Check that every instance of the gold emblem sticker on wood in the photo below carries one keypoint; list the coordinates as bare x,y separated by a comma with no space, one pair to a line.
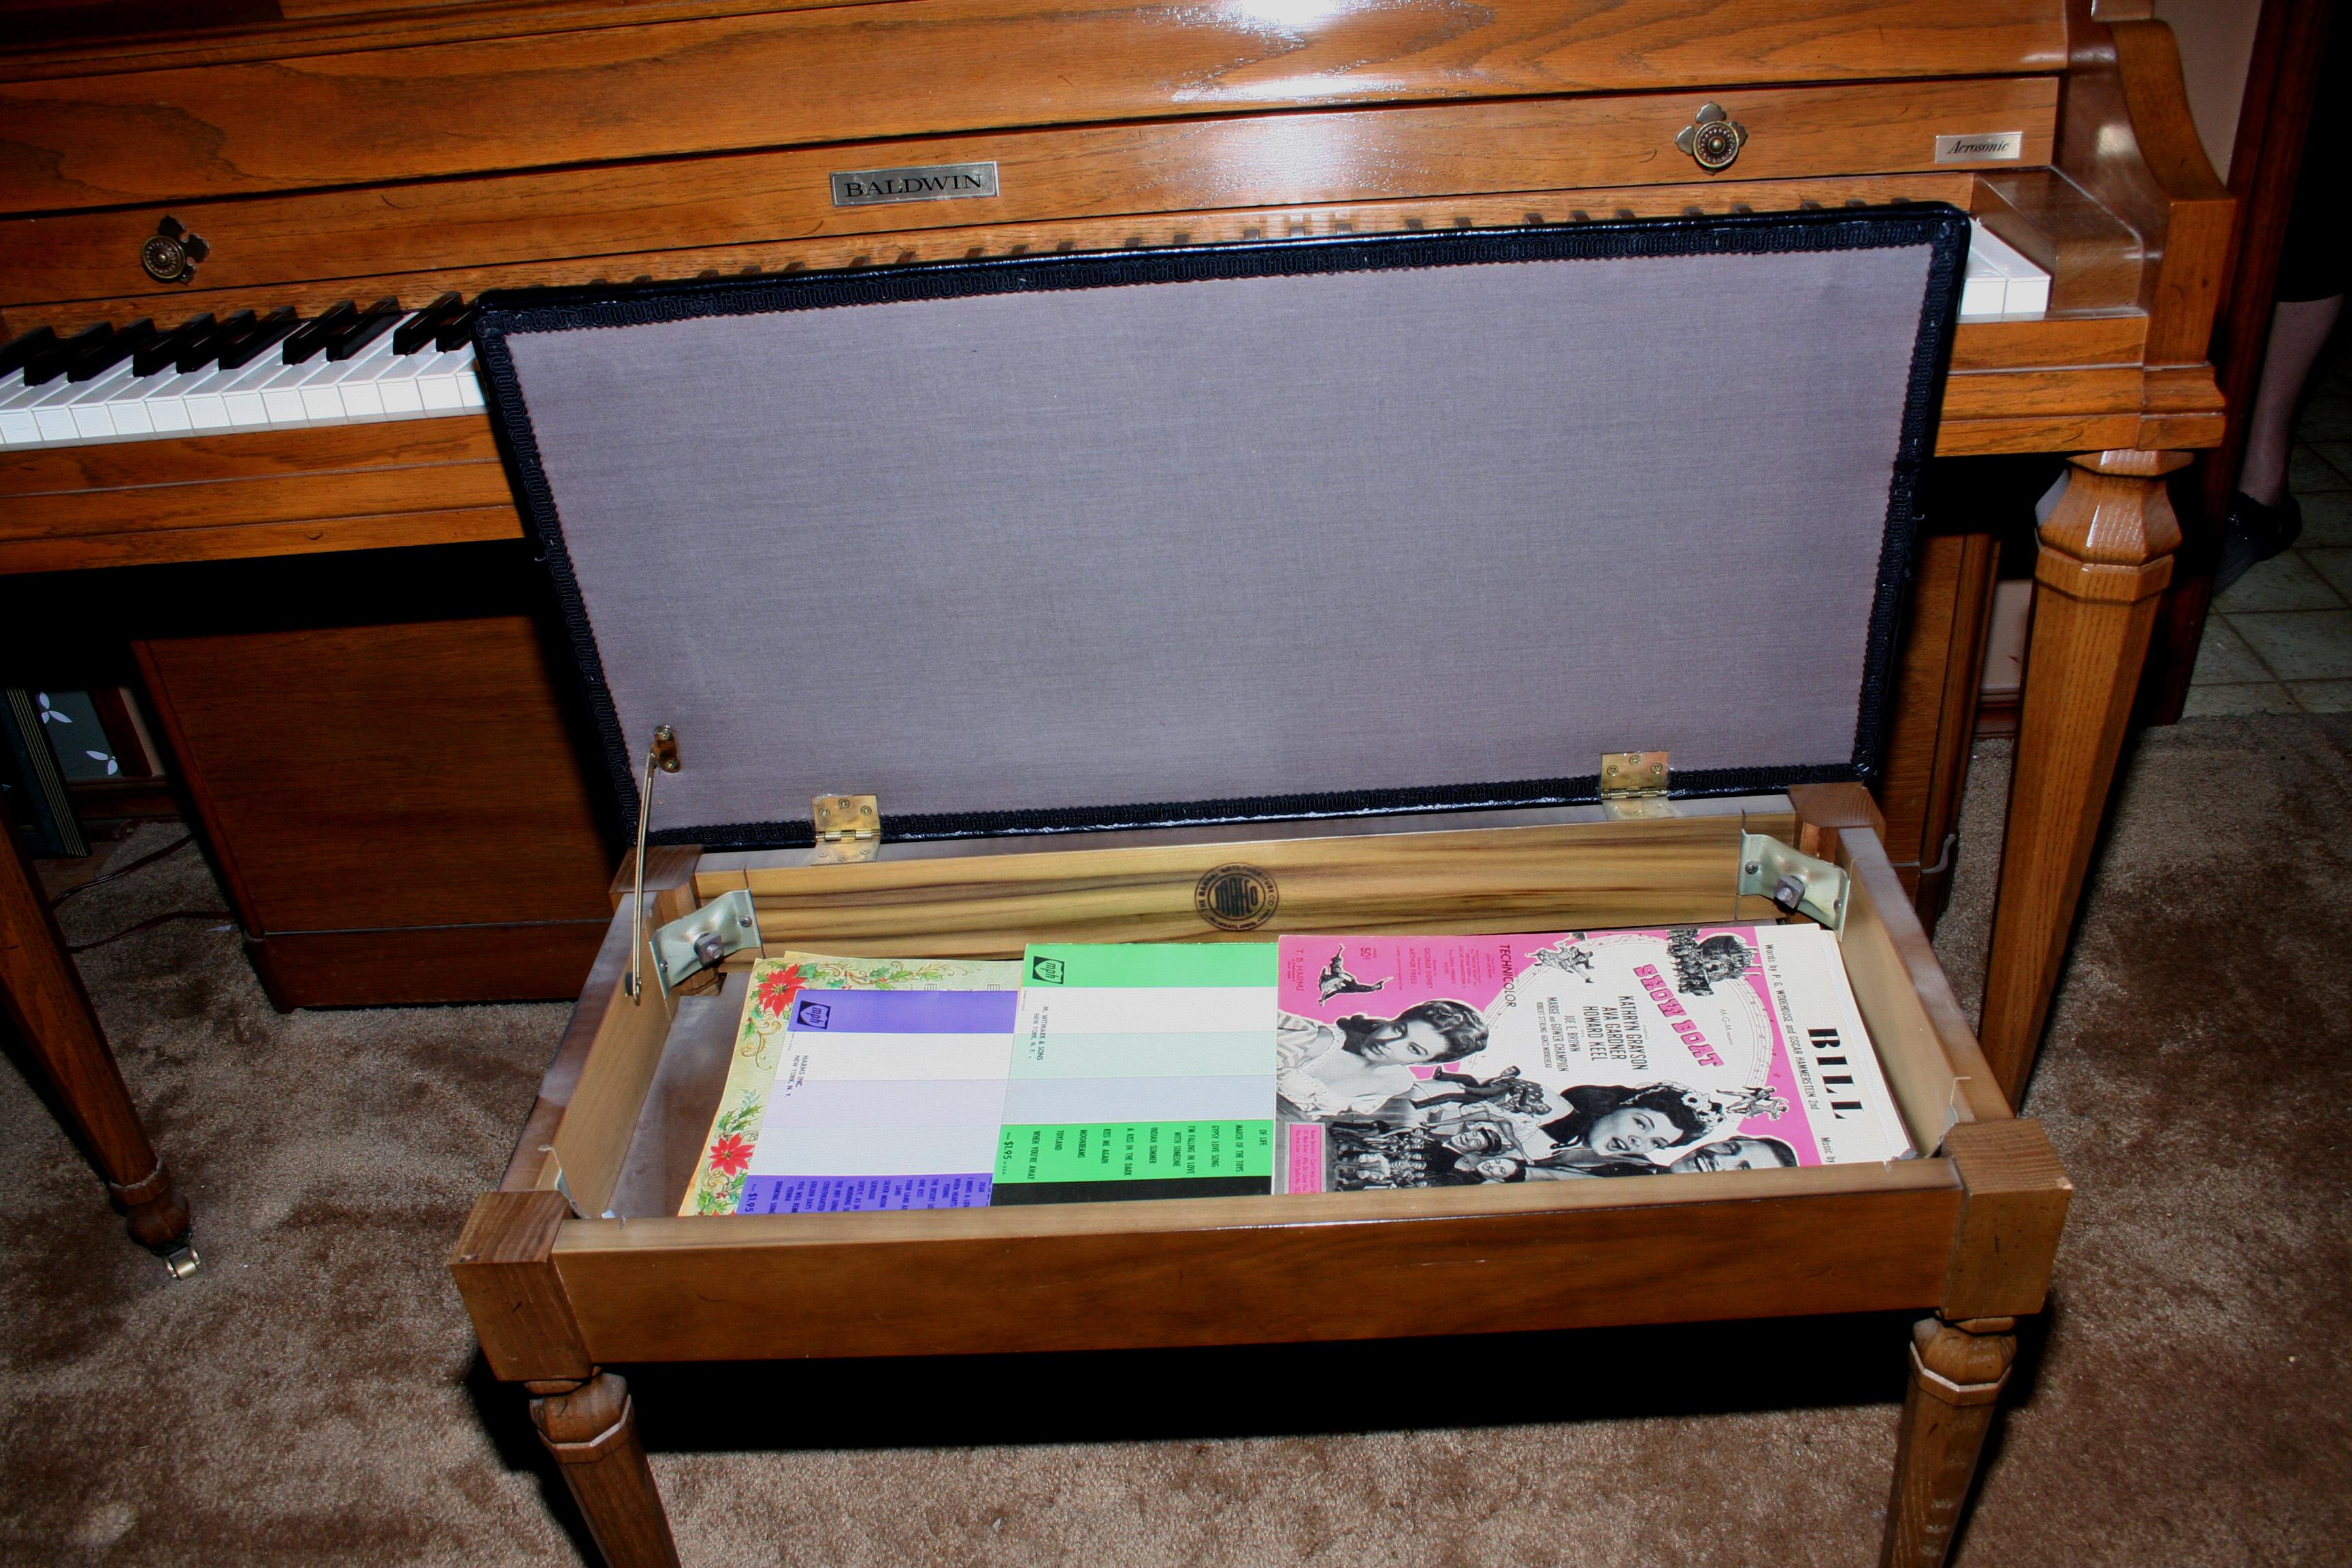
1236,897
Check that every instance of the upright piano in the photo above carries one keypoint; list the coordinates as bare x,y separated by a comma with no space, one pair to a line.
238,242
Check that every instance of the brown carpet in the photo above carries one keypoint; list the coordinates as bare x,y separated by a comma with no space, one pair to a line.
313,1396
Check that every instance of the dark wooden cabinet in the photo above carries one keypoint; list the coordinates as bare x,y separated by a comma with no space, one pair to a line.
395,808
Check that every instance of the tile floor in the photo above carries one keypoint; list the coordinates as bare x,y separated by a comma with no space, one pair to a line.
2280,641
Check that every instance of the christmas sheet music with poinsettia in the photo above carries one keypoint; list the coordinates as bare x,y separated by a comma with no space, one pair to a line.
1571,1055
727,1152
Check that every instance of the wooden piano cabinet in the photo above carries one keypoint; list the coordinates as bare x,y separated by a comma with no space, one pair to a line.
356,786
579,1260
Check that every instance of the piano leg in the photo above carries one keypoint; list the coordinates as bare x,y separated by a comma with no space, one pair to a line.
592,1429
1956,1373
52,1015
2106,555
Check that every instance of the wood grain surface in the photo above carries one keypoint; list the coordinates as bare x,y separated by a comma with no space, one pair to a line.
1523,878
860,72
263,248
1260,1270
440,738
502,1266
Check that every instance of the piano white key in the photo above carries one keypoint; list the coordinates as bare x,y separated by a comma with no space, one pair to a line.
436,381
346,392
206,402
243,396
167,402
18,426
131,413
2000,280
53,411
93,419
281,395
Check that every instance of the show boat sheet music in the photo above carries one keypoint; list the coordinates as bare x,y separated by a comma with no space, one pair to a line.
1430,1061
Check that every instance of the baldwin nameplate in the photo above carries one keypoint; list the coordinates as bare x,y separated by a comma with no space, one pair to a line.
927,182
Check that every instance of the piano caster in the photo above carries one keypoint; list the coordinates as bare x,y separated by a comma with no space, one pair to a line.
182,1261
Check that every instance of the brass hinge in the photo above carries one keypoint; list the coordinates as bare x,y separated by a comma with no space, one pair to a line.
1633,783
848,829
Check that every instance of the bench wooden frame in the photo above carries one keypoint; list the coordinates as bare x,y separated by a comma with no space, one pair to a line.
1966,1235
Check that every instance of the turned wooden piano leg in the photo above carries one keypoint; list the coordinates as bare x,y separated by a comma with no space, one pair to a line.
1956,1374
2107,554
592,1429
52,1015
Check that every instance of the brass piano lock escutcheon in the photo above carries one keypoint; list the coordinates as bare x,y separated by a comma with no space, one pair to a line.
1713,137
170,255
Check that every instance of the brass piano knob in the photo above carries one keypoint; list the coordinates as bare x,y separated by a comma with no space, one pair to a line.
170,255
1713,137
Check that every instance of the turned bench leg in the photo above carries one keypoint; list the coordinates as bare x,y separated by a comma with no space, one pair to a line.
592,1429
1956,1374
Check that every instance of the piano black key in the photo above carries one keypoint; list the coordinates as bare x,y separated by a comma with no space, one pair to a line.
114,351
165,350
264,334
458,333
426,324
366,330
24,347
54,362
201,351
317,333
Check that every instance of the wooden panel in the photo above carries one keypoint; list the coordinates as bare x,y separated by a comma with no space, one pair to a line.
398,968
1258,1270
533,1166
915,242
255,493
286,498
1923,1039
1462,149
593,1140
1516,878
246,542
2056,433
853,73
2054,340
2014,393
360,777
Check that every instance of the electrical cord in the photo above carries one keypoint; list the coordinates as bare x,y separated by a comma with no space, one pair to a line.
148,859
150,923
143,861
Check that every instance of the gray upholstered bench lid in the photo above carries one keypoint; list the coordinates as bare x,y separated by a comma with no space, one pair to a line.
1414,522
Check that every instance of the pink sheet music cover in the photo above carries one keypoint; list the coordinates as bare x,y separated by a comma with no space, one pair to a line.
1571,1056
